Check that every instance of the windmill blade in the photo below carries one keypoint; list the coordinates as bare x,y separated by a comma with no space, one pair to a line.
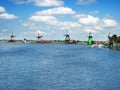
89,33
108,34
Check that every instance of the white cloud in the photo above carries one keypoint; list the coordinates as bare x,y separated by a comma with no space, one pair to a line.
2,9
95,21
48,2
88,20
109,23
52,20
7,16
19,1
41,2
46,19
69,24
40,32
85,2
96,25
47,16
90,30
58,10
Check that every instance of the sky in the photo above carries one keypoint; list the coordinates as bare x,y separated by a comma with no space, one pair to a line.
54,18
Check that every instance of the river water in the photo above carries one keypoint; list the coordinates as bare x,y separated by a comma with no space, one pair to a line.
58,67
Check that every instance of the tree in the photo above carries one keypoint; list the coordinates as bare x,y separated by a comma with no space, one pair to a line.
114,38
118,39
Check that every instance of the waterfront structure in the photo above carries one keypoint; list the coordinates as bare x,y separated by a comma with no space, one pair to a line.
39,38
12,38
110,41
113,41
25,40
90,39
42,41
67,39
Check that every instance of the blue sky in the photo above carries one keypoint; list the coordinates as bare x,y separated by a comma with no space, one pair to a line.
54,18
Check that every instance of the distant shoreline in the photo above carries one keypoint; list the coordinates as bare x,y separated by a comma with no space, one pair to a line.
58,42
52,41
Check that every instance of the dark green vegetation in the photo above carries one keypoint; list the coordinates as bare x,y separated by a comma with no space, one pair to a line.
114,42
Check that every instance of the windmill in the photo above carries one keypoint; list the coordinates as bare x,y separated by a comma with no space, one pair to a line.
90,39
12,38
67,38
39,37
111,41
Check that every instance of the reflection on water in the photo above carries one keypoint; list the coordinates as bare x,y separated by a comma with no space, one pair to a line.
58,67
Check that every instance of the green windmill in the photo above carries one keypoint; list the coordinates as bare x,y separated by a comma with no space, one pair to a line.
90,39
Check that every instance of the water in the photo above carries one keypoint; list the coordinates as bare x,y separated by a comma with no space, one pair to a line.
58,67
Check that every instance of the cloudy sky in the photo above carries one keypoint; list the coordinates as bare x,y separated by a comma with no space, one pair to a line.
54,18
